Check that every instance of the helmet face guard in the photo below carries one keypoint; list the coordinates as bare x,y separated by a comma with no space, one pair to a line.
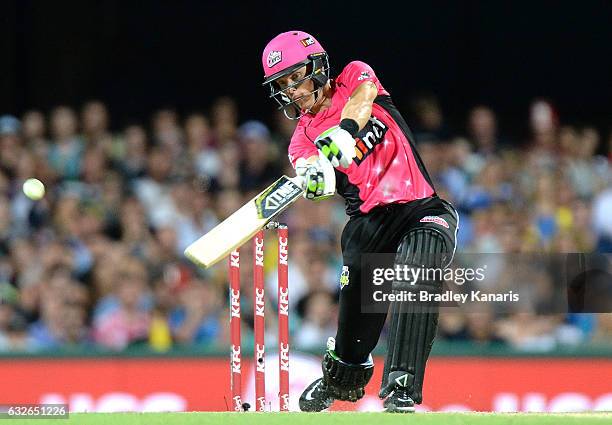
317,70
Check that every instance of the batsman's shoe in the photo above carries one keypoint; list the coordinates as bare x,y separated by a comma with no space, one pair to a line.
397,390
315,397
399,401
341,381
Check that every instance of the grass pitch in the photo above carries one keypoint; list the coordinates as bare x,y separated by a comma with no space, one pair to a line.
335,418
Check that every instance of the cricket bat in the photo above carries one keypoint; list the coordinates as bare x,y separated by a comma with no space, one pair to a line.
243,224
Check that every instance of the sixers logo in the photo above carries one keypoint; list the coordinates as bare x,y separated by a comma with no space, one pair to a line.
274,57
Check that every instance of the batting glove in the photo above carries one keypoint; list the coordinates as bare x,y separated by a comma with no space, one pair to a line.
337,145
314,179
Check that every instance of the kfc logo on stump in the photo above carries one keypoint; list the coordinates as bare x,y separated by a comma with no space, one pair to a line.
283,301
259,302
235,303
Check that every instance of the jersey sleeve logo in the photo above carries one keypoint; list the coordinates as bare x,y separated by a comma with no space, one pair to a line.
274,57
371,135
363,76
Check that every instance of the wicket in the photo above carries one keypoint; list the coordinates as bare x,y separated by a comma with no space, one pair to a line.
259,321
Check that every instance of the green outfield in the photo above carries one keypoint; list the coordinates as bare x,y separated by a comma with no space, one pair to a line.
336,418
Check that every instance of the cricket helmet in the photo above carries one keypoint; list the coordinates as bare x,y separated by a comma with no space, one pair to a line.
286,53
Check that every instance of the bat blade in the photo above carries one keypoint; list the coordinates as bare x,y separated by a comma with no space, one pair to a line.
243,224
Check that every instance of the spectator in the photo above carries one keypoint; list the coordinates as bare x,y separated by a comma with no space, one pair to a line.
8,301
283,131
429,126
35,133
586,172
483,130
49,331
229,175
196,318
489,187
603,334
257,168
544,121
225,120
318,322
452,325
95,120
135,234
6,231
67,148
124,317
196,218
10,144
480,327
602,220
200,144
167,132
134,161
153,191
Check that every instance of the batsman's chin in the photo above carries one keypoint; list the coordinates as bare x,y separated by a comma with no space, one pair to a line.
305,103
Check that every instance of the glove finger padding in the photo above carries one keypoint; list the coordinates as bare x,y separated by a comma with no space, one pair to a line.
337,145
314,180
311,187
324,145
315,183
320,184
318,178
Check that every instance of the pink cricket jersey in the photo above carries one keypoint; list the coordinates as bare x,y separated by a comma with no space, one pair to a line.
387,168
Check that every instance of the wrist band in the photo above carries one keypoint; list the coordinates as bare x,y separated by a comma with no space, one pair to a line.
349,125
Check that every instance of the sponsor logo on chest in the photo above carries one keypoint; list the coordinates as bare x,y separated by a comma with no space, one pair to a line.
366,140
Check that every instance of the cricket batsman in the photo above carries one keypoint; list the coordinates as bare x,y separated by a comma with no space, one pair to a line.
393,208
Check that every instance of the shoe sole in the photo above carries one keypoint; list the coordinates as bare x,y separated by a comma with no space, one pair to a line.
319,408
392,408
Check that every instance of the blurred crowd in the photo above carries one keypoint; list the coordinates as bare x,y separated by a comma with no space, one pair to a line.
98,261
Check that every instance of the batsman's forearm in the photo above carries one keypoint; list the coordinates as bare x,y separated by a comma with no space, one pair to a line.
359,106
358,111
